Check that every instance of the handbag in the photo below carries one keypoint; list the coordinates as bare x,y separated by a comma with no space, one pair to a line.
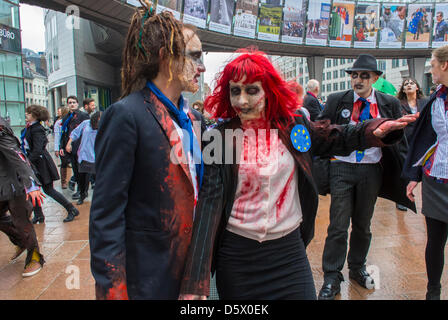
321,174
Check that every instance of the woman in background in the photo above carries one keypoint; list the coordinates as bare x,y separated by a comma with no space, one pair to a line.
65,160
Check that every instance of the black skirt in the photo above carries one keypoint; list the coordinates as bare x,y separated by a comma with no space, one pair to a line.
272,270
87,167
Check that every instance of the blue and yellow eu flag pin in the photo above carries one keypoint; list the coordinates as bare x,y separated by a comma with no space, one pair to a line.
300,138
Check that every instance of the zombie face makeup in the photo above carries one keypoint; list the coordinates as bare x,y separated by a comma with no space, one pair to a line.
362,82
193,66
248,100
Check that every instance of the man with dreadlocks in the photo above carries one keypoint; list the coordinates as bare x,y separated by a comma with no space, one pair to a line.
145,195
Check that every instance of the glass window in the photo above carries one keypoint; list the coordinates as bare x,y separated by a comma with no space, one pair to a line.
11,89
335,62
329,87
342,85
335,74
11,64
335,87
9,14
404,62
328,63
328,75
53,27
342,73
16,112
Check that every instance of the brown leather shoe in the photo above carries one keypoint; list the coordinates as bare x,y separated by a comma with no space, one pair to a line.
32,268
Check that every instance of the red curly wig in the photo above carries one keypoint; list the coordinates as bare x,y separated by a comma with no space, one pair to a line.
281,100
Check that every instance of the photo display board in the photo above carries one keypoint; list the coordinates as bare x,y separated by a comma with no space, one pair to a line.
245,19
366,25
195,12
440,29
318,22
392,23
221,15
174,6
419,21
270,20
294,16
341,23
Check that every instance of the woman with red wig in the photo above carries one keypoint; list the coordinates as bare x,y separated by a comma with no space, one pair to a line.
256,209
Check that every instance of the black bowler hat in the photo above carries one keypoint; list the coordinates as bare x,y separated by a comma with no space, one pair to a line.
365,62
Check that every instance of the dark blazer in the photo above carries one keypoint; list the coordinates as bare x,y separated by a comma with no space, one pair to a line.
312,105
393,186
421,140
15,169
220,182
78,117
405,109
142,209
41,160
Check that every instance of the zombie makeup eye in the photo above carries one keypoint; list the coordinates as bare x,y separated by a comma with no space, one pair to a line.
252,90
235,91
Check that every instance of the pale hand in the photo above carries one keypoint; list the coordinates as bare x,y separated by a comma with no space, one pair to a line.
68,148
392,125
37,197
409,190
191,297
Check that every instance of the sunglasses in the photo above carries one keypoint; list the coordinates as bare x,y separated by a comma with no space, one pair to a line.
362,75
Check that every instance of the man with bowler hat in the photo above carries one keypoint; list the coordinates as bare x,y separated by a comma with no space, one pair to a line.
358,179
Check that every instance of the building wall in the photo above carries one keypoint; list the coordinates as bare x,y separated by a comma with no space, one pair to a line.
335,79
12,97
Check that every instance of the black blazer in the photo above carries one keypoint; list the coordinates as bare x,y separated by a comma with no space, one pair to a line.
220,182
422,138
312,105
41,160
15,169
78,117
393,186
142,209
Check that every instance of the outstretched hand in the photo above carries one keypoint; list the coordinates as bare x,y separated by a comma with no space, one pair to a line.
37,197
392,125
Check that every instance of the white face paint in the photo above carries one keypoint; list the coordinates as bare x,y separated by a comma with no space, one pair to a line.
248,100
193,66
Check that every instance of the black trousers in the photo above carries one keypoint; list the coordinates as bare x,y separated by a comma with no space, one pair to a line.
354,190
17,225
83,182
59,197
75,167
437,233
271,270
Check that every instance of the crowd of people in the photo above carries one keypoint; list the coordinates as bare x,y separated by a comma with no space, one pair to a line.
166,214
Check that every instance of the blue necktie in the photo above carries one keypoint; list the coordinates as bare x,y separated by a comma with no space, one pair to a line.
365,115
184,123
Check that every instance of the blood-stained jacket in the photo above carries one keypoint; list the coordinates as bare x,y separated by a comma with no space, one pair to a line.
218,191
16,172
142,209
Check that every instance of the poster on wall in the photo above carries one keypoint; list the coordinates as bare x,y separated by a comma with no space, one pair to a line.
246,13
440,29
270,21
174,6
221,15
294,13
341,23
392,22
366,25
195,12
318,22
419,21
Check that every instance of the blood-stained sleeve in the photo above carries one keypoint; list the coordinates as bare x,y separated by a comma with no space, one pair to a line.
115,148
9,147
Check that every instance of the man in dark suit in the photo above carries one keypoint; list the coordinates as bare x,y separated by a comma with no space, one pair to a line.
148,177
69,123
358,179
18,184
311,102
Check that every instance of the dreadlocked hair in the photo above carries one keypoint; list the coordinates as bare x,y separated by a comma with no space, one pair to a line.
147,34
